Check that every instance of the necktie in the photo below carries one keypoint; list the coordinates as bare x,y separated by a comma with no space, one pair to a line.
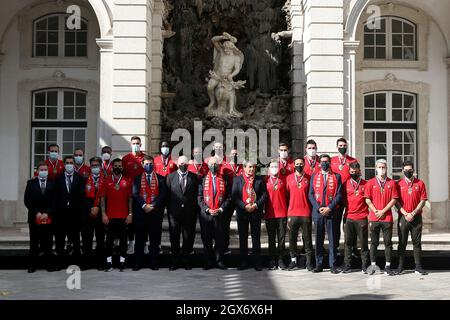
149,179
42,187
214,185
183,182
324,194
69,183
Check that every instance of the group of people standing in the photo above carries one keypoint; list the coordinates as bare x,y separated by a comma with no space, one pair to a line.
126,199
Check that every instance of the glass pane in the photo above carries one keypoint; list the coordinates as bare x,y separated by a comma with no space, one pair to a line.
397,149
81,51
397,40
39,113
52,98
83,25
396,26
381,39
409,136
369,149
39,99
369,136
369,101
81,99
68,148
80,113
79,135
397,101
41,50
397,162
369,39
69,50
51,136
407,28
408,115
381,100
41,24
381,149
69,98
69,37
381,53
67,135
69,113
381,136
397,115
39,148
53,23
382,24
397,53
41,37
381,115
53,37
80,145
369,115
397,136
370,173
408,101
369,162
37,159
408,53
52,113
408,40
39,135
53,50
409,149
369,53
82,37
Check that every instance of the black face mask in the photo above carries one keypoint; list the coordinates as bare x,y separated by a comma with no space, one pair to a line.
354,176
117,171
408,174
325,166
299,169
235,159
182,168
213,168
213,153
342,151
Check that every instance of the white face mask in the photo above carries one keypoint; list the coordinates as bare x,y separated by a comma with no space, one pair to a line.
135,148
283,154
311,152
381,172
273,170
165,150
106,156
53,155
78,160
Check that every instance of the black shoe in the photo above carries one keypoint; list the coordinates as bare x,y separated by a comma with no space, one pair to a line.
309,267
243,266
154,266
221,266
50,269
419,270
187,266
317,270
364,270
173,267
292,265
122,266
281,264
388,271
109,267
334,271
400,270
136,267
31,269
258,267
272,265
346,269
208,266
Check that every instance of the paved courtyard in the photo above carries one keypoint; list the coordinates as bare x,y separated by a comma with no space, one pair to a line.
222,285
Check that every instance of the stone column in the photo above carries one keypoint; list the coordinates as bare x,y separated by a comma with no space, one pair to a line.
104,122
324,70
349,94
448,130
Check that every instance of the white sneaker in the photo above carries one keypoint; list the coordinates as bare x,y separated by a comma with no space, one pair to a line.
146,247
130,247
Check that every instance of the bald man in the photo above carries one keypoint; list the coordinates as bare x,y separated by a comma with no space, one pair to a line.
182,187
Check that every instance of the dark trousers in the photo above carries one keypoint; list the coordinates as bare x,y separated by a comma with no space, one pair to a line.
67,227
116,229
321,224
182,226
212,232
415,228
356,229
89,227
41,239
228,214
276,231
305,223
337,227
131,231
244,219
148,226
375,228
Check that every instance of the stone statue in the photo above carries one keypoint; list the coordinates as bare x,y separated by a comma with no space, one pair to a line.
228,60
286,33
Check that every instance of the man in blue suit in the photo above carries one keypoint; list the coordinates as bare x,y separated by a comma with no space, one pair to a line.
325,196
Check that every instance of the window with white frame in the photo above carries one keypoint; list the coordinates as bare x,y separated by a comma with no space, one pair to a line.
59,116
53,38
390,130
390,38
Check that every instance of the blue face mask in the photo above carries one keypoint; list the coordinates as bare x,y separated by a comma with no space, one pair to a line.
95,170
136,148
43,174
148,167
78,159
69,168
325,166
53,155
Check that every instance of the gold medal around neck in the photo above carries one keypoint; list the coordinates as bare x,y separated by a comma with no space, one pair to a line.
117,187
341,167
55,171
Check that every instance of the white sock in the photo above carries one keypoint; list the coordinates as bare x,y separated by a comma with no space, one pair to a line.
388,264
109,259
122,259
294,259
373,263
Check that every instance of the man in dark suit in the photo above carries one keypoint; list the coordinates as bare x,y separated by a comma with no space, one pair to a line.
249,195
182,210
325,196
214,200
68,210
149,194
39,199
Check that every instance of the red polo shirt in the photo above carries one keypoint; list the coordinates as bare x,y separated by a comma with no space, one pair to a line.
276,204
299,205
355,203
107,168
132,165
381,199
84,170
200,169
164,169
410,199
311,166
336,162
286,168
117,200
231,170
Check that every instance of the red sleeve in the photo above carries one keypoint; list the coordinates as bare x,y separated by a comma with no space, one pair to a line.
130,188
395,193
368,190
423,192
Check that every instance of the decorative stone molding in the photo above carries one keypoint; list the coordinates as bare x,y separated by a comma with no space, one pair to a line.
59,76
418,17
390,77
26,17
105,44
